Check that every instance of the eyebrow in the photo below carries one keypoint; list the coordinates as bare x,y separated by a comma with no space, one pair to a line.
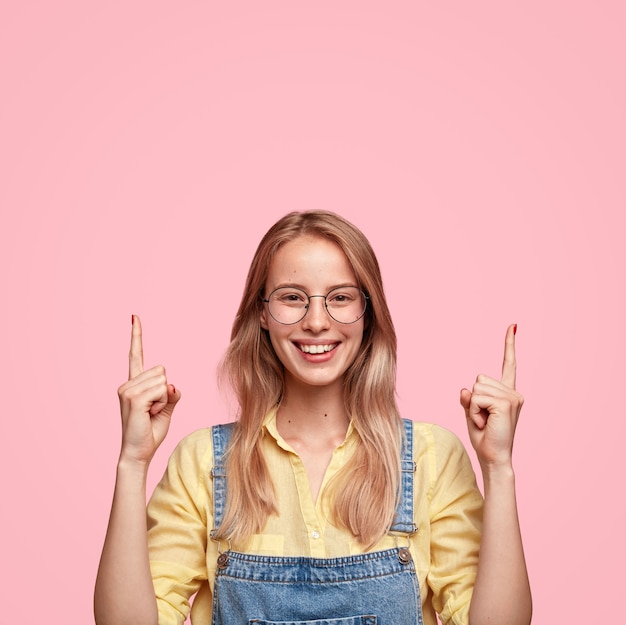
295,285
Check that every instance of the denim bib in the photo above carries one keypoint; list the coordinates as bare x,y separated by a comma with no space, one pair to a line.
379,588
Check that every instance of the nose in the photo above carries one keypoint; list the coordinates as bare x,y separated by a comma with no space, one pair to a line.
317,317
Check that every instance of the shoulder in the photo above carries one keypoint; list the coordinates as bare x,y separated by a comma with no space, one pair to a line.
435,438
189,467
195,451
441,458
198,442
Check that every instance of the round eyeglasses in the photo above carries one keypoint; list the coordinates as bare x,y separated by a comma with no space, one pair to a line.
288,305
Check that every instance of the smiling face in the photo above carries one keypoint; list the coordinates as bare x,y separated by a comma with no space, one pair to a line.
317,350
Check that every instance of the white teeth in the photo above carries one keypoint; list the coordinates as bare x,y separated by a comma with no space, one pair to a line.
316,349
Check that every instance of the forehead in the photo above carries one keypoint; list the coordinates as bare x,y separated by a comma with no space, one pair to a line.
312,262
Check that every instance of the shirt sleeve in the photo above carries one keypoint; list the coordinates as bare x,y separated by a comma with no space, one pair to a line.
455,527
178,514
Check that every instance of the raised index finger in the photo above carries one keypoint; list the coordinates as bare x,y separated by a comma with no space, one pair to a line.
509,364
135,356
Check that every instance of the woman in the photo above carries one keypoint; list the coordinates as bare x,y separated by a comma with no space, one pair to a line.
321,504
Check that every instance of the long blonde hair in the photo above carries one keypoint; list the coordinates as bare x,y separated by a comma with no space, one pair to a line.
365,492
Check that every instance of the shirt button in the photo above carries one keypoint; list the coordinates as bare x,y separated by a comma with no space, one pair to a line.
315,534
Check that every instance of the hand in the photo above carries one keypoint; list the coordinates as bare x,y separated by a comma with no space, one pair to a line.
492,409
146,402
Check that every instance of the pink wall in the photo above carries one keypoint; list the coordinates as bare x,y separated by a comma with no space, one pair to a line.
146,146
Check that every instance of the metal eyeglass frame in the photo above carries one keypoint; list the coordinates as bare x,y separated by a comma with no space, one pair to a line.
266,300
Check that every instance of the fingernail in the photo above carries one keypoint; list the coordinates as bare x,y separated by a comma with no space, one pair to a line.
132,320
515,329
173,389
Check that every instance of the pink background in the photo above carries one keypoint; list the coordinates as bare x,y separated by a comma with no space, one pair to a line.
146,146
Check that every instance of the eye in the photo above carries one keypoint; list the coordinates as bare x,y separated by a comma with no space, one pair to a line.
290,296
343,297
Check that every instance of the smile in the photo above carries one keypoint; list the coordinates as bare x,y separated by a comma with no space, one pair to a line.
316,349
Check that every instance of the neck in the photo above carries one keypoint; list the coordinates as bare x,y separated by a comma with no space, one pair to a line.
312,411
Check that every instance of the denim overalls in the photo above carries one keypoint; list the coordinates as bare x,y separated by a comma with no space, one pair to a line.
379,588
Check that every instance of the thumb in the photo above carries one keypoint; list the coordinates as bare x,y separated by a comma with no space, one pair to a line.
473,412
465,399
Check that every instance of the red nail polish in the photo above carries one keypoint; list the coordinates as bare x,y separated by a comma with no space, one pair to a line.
132,320
515,329
173,389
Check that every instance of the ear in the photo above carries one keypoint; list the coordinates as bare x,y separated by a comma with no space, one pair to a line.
367,321
263,318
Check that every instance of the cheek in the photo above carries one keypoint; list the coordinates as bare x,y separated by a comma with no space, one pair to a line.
276,333
358,338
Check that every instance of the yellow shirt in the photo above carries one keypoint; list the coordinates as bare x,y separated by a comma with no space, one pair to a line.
448,511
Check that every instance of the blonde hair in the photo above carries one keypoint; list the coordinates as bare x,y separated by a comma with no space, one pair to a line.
365,491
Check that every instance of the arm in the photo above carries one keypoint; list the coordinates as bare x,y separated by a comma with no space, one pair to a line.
182,557
124,592
501,591
455,512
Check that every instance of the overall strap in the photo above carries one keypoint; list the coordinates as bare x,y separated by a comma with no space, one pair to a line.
404,521
221,436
